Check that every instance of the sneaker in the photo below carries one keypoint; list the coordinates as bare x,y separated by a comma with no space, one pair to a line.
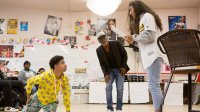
109,110
10,109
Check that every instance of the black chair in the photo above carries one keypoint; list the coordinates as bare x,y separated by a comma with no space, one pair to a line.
182,48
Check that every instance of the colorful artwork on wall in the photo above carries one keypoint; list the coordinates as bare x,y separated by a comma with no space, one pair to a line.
12,26
92,28
19,51
79,25
72,40
24,26
177,22
6,51
2,21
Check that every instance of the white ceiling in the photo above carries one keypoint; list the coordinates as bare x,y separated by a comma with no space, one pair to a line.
80,5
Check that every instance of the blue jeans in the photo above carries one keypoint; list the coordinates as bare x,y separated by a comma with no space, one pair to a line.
119,79
154,82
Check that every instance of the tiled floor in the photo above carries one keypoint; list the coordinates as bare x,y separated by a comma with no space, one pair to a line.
126,108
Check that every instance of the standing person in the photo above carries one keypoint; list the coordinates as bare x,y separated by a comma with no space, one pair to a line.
50,83
146,27
113,61
26,74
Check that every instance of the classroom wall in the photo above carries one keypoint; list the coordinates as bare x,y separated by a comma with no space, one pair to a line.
190,13
199,14
37,19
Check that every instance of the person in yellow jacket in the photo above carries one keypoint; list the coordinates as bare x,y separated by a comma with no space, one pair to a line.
50,83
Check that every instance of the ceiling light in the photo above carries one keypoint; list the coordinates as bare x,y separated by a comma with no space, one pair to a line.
103,7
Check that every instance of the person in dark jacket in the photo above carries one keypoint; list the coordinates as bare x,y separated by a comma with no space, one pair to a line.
6,86
113,61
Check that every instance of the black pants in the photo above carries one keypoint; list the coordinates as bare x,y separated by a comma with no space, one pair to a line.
7,85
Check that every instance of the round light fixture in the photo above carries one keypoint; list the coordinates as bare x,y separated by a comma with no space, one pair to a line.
103,7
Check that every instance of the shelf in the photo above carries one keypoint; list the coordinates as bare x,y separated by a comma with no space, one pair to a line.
142,73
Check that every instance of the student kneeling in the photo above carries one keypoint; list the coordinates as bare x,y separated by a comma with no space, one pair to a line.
49,86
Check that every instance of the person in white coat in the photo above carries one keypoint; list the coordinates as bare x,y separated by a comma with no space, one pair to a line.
145,28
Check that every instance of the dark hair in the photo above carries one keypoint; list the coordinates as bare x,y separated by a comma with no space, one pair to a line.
26,62
111,20
111,33
55,60
140,8
41,69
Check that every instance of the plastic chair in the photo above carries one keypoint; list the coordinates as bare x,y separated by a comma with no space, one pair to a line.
182,48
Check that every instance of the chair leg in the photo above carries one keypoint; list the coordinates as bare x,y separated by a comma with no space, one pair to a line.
165,92
189,92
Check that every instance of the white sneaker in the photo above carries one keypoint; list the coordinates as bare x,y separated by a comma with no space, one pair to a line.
119,111
10,109
109,110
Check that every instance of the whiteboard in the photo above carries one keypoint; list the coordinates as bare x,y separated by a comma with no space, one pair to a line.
40,55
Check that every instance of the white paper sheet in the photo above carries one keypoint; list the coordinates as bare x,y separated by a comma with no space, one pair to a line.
118,31
18,48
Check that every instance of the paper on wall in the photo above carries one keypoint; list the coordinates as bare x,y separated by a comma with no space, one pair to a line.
18,48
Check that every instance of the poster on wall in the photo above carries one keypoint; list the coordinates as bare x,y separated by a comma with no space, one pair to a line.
12,26
111,35
53,25
24,26
18,51
2,21
72,40
177,22
79,27
104,24
11,67
3,40
6,51
3,66
92,28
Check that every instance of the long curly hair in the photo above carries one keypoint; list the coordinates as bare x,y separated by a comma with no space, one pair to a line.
140,8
